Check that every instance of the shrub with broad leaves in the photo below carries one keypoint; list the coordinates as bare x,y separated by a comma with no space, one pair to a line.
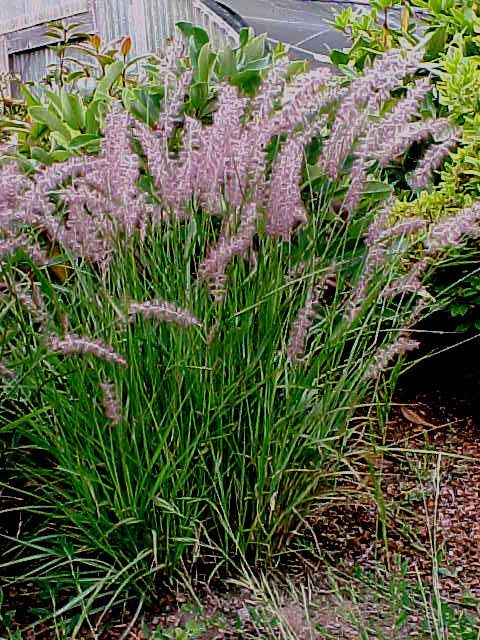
447,179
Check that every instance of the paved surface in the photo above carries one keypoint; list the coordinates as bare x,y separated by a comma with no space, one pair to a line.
303,24
300,23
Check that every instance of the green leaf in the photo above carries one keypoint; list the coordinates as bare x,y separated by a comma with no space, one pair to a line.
463,326
74,25
38,131
196,43
83,140
200,37
313,172
106,83
55,104
189,31
78,111
226,65
436,43
104,59
246,80
257,65
339,57
468,293
245,35
208,109
45,116
17,126
75,75
55,34
144,103
79,36
185,27
60,155
42,156
31,99
93,116
458,310
137,59
378,190
254,49
294,68
135,106
73,110
206,60
198,95
436,5
61,140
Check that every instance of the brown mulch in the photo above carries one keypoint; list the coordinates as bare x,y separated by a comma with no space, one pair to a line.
425,475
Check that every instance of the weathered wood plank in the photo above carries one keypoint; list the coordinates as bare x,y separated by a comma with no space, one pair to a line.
92,7
63,9
4,68
138,26
34,37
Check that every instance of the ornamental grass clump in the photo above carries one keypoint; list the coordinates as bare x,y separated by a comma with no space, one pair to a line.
189,392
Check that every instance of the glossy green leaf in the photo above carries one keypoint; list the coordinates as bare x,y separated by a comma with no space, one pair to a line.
41,155
31,99
226,65
60,140
105,84
55,103
379,189
83,140
60,155
93,116
245,35
254,49
73,110
189,31
198,95
436,43
45,116
14,126
38,131
339,57
206,60
144,103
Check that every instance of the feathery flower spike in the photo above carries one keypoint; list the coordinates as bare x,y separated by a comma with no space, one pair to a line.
212,268
432,160
8,247
384,356
450,230
111,404
305,318
74,344
163,312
